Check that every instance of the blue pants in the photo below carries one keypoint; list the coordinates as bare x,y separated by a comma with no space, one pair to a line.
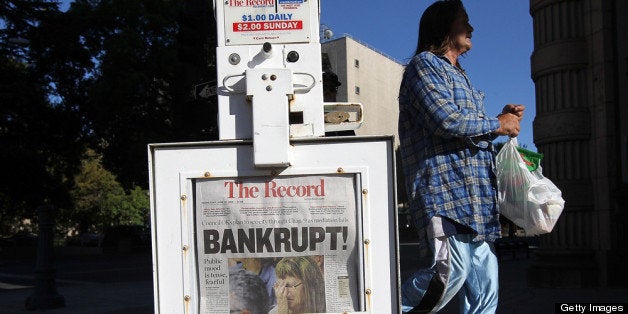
461,265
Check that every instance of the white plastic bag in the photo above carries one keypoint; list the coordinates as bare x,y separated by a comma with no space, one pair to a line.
527,198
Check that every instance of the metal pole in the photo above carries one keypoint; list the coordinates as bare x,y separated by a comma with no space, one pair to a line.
45,295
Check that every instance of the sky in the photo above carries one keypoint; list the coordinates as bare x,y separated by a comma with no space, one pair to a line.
498,64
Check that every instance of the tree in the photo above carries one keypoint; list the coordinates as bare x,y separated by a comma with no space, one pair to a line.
135,207
114,75
100,201
36,161
96,194
148,55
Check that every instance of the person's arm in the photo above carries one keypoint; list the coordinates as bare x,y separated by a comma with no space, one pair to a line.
440,114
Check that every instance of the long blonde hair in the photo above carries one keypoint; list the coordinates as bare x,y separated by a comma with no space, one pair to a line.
306,269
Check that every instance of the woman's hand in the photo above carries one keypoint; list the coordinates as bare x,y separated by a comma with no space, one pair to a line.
508,125
509,120
517,110
281,293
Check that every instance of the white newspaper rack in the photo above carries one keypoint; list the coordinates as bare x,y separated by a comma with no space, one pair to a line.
199,190
273,190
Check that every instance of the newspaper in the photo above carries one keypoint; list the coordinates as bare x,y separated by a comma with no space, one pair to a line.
263,225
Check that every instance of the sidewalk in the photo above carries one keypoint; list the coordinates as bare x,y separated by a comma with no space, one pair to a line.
94,283
109,293
515,297
86,297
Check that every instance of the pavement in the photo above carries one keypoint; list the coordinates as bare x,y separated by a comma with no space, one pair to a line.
122,283
94,283
516,297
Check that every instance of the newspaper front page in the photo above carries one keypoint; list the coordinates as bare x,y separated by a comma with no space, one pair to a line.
278,244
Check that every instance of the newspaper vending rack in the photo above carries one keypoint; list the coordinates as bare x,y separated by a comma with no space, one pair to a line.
273,190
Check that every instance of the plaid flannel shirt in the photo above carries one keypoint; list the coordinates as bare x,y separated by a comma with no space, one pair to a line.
446,147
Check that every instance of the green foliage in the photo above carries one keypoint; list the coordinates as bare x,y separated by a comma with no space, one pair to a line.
113,75
100,201
96,194
147,55
36,161
136,207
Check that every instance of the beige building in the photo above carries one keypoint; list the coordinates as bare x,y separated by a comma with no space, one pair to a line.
368,77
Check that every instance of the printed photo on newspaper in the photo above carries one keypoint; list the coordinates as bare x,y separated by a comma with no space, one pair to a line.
286,244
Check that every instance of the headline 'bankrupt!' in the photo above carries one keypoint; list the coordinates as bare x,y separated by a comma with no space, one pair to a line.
258,240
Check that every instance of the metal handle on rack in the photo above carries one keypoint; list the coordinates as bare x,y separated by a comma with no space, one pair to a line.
303,90
306,89
228,88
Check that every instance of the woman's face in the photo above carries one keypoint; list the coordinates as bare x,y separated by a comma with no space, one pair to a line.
461,33
294,293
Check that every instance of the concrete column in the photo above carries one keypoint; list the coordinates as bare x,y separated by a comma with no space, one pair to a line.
574,68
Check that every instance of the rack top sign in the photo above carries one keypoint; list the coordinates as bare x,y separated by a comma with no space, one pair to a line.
250,22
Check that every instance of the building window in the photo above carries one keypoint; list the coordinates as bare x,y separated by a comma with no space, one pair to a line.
356,63
357,90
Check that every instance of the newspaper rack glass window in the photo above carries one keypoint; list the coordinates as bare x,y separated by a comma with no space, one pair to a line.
214,213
